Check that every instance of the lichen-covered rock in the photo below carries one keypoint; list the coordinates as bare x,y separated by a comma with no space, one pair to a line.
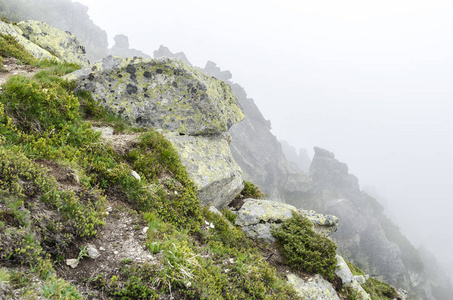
62,44
258,217
33,49
210,165
350,280
162,93
316,288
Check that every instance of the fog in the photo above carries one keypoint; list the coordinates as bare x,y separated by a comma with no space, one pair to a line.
370,81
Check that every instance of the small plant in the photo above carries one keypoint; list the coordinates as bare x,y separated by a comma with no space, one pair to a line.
57,288
250,190
304,249
82,253
229,215
126,261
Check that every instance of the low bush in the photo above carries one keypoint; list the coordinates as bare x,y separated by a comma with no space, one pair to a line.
250,190
304,249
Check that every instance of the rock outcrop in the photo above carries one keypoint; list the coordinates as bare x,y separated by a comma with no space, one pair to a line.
162,93
165,52
315,289
121,48
61,44
65,15
299,158
46,42
195,112
213,169
258,217
32,48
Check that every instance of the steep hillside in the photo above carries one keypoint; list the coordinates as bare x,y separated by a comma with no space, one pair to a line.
97,204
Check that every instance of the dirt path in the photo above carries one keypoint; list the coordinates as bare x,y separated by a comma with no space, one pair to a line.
15,67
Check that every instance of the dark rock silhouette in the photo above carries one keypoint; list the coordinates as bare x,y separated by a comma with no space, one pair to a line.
165,52
121,48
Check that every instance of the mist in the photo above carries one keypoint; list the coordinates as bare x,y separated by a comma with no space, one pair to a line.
370,82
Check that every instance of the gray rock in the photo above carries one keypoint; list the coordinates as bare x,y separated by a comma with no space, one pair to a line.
92,251
210,165
31,47
162,93
165,52
350,280
63,45
121,48
212,70
316,288
72,262
105,131
258,217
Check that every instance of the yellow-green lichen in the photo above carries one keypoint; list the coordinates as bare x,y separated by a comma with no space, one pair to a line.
211,166
162,93
60,44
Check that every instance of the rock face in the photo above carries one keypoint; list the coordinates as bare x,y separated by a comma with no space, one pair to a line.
317,289
261,158
212,70
162,93
258,217
193,110
121,48
31,47
213,169
301,158
63,45
360,237
165,52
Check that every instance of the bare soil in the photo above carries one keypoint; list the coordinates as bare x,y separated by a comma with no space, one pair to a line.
14,67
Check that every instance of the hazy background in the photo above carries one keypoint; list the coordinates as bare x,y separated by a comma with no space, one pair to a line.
371,81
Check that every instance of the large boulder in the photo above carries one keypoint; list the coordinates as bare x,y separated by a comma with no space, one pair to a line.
32,48
162,93
258,217
62,44
209,163
316,288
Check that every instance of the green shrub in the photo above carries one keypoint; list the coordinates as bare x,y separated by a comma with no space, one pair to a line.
379,290
304,249
251,191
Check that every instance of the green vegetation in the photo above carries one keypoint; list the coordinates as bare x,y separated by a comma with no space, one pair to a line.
378,290
251,191
304,249
220,264
58,177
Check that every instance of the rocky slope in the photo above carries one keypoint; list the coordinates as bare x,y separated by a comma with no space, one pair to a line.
365,235
116,211
66,185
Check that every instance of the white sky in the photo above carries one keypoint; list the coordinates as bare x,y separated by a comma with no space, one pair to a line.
371,81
